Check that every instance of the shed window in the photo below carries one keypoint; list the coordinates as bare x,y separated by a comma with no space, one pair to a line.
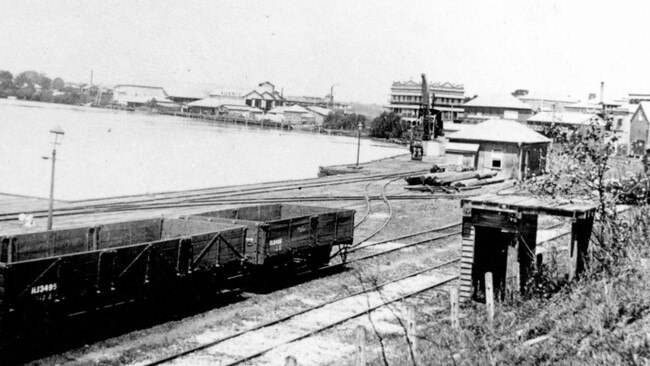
496,159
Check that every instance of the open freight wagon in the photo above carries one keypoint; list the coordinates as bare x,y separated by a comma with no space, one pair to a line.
280,234
63,272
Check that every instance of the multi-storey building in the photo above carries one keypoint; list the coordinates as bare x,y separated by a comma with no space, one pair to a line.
406,99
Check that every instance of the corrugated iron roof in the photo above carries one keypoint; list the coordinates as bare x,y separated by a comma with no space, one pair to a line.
497,101
319,110
238,107
547,97
216,102
283,109
499,130
576,118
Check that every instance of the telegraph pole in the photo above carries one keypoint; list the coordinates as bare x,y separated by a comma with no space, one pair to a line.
58,133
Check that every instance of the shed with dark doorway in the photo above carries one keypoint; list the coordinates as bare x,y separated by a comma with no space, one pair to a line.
499,235
509,147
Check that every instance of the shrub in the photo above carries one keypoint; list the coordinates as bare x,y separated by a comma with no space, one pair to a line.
388,125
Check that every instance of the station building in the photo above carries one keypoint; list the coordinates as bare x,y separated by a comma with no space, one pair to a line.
506,146
406,99
495,106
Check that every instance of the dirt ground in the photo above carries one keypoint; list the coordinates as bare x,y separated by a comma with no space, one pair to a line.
333,346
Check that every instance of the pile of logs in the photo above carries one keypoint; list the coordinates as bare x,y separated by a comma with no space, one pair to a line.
451,182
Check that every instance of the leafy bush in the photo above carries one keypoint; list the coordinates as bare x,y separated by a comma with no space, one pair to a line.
341,121
600,319
388,125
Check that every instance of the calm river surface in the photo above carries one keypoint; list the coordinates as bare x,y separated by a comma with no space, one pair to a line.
109,153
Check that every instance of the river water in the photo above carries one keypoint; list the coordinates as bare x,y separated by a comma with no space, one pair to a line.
111,153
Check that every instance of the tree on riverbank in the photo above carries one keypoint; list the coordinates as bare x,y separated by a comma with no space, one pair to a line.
6,81
388,125
341,121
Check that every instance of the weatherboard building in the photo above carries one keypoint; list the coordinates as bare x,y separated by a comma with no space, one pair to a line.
506,146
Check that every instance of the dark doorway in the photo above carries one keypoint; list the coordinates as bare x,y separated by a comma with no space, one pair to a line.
490,255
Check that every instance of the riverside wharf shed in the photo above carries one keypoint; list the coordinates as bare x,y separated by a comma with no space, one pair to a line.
506,146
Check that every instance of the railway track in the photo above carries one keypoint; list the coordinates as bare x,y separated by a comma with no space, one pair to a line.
389,214
305,332
179,355
311,331
202,197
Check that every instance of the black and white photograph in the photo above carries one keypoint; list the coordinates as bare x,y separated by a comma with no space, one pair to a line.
307,183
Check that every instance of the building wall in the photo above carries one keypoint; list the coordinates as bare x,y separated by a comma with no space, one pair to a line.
476,114
318,119
124,94
546,105
638,132
466,159
292,117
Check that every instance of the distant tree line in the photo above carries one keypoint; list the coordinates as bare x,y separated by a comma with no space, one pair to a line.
386,125
32,85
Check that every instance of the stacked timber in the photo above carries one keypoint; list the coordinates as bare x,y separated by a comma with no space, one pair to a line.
451,182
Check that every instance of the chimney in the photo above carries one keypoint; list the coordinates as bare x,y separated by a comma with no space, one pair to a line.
602,91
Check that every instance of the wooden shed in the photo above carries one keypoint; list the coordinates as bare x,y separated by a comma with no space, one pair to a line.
506,146
499,235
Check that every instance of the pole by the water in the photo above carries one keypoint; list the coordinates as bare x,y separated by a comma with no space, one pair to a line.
358,146
51,208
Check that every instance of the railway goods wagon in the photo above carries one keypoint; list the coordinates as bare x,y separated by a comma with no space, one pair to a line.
54,274
281,234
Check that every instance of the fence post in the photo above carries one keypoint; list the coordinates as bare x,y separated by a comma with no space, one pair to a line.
453,298
290,361
361,345
411,330
573,256
489,296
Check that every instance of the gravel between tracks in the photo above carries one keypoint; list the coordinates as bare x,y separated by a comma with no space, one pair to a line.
330,347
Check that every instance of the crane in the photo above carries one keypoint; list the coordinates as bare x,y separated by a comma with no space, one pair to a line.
422,131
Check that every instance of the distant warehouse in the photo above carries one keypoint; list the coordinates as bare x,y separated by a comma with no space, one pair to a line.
506,146
139,95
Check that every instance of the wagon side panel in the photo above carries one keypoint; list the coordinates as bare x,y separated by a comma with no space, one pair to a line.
225,248
345,227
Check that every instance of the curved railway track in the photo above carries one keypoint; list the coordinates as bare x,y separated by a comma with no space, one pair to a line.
384,198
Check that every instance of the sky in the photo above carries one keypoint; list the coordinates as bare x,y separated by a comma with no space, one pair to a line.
564,47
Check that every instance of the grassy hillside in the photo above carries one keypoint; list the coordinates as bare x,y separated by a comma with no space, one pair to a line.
369,110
